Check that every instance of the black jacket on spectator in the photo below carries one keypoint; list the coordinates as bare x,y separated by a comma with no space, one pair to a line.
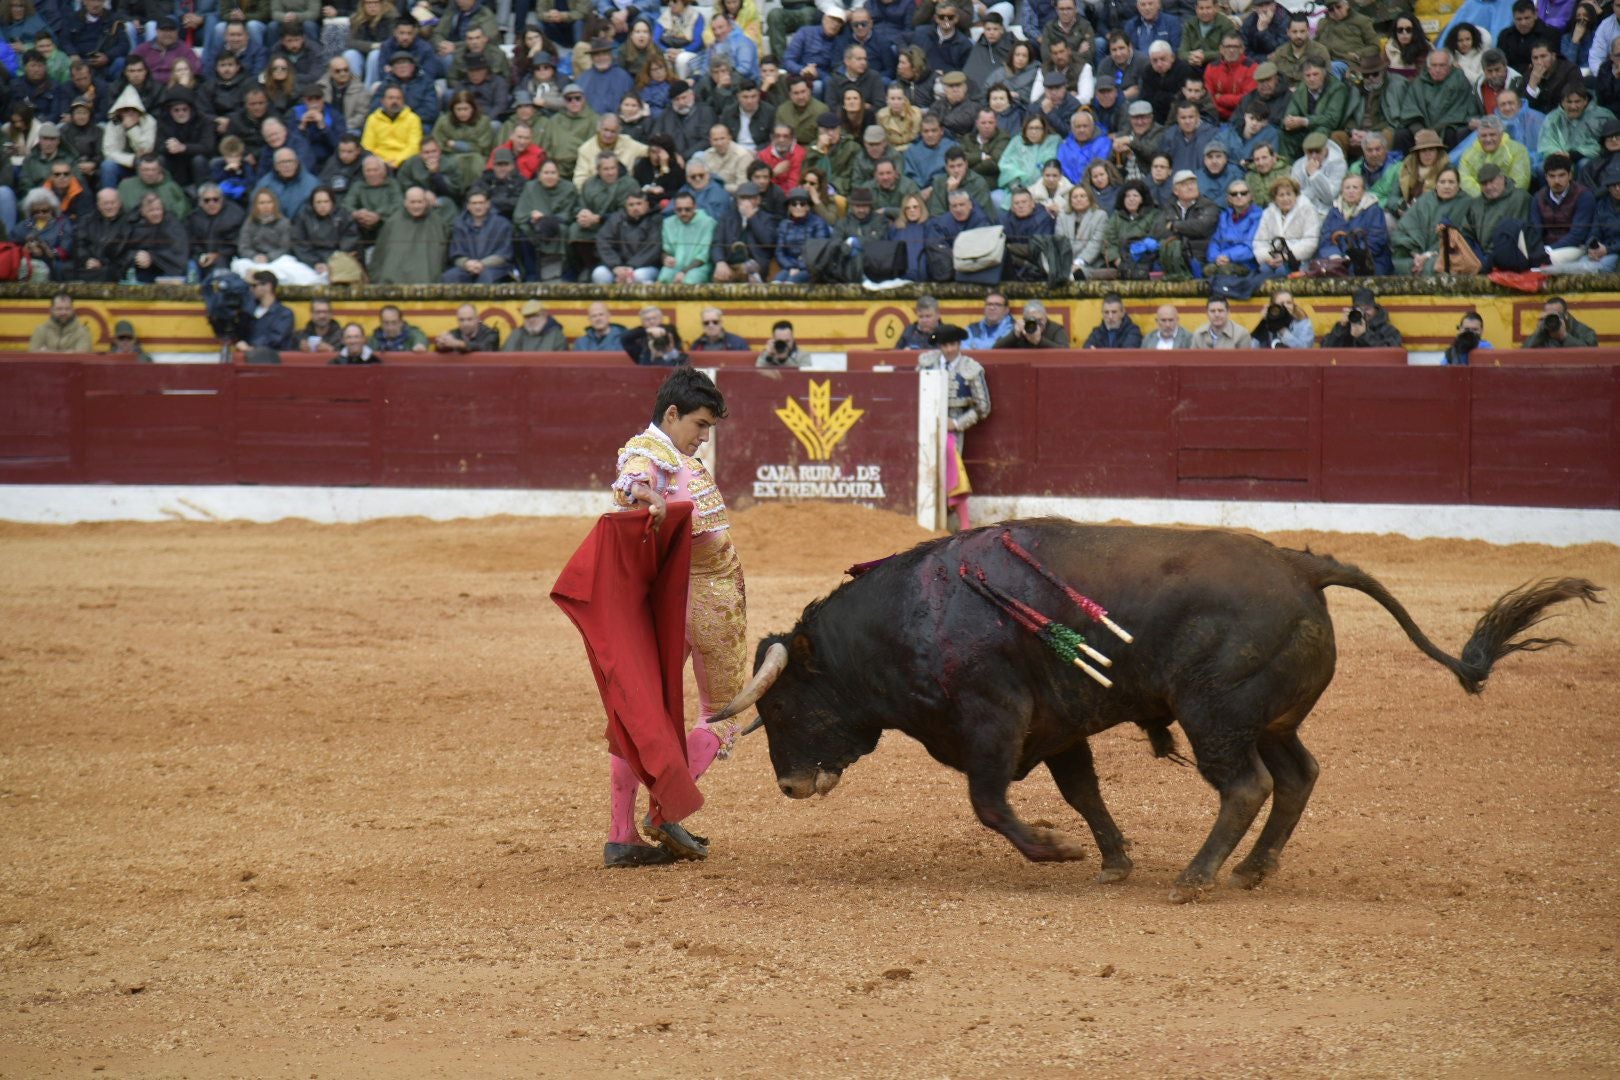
636,244
1128,336
222,98
340,177
216,233
1277,107
875,227
757,234
314,238
97,238
197,134
1516,46
870,86
85,142
1163,90
760,125
1053,336
503,194
165,242
1380,334
1194,225
690,132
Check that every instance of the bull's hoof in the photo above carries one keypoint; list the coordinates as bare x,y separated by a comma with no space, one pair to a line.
1248,875
1185,891
1114,874
1054,846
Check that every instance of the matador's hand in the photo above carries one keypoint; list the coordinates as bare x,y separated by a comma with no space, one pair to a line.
656,509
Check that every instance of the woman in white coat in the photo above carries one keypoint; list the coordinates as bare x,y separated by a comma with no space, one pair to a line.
1293,220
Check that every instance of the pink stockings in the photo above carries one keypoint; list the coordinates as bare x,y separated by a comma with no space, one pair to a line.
701,747
959,503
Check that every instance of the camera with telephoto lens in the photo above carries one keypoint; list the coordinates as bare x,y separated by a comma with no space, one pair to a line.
1031,326
1356,317
1466,341
780,347
1552,324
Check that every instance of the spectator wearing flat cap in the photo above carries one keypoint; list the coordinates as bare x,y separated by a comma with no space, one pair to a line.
956,111
492,92
745,238
686,122
861,221
415,86
538,333
125,342
321,125
502,182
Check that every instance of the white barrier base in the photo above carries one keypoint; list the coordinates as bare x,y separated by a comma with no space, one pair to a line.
1495,524
64,504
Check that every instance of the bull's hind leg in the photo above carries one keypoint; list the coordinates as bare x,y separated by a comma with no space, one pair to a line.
1076,776
1293,773
1234,769
993,753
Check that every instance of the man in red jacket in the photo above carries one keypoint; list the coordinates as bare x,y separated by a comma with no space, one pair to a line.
1230,79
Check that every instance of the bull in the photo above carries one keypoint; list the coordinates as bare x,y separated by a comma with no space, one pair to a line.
1233,642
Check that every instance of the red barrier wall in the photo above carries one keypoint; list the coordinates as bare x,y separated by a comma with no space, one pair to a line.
378,425
1496,436
1532,436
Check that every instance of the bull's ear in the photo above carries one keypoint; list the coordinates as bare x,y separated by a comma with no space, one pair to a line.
801,650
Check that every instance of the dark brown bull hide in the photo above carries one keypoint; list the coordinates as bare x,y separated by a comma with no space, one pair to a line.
1232,642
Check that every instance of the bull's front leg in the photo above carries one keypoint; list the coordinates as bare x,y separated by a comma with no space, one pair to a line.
996,735
1076,776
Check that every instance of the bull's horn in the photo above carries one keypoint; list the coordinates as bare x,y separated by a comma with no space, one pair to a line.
759,722
769,668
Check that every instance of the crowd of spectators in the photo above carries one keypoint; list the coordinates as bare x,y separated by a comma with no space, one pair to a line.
619,141
1285,324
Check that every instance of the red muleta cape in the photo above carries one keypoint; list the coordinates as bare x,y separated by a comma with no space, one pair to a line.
625,591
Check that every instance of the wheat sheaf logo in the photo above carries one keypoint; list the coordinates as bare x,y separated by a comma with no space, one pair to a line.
821,428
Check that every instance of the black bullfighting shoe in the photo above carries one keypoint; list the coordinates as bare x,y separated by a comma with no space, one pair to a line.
675,839
618,856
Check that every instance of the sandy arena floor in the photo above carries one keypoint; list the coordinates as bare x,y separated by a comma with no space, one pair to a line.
302,801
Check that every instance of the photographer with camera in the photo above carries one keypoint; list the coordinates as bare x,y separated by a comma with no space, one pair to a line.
1285,325
1035,331
1558,329
1470,336
782,350
653,343
1365,326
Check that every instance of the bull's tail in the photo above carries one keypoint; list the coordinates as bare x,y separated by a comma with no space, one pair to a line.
1494,635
